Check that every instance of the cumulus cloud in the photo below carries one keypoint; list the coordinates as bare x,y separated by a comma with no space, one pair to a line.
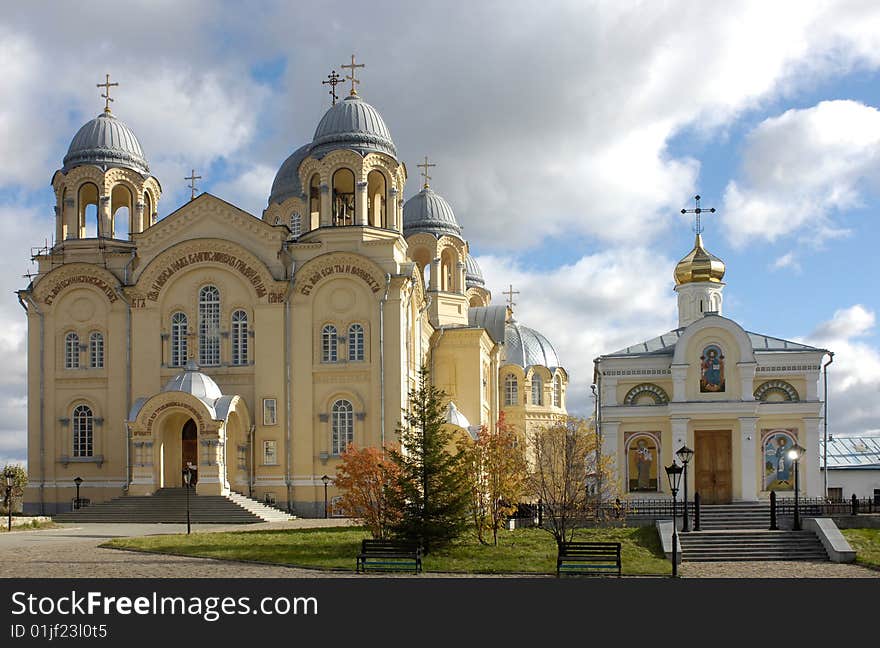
787,260
249,189
800,168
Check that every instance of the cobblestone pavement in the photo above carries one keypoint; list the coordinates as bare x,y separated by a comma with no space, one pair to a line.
774,569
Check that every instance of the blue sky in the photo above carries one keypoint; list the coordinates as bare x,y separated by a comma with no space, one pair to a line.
567,136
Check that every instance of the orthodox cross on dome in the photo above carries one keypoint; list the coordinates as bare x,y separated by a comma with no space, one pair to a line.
510,292
425,165
698,227
192,183
352,77
333,79
106,95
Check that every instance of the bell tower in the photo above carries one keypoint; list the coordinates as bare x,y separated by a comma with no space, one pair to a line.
698,276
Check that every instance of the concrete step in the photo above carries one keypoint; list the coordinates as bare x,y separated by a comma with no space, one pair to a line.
751,545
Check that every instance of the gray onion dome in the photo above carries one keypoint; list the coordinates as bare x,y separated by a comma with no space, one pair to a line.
429,212
354,124
526,347
106,142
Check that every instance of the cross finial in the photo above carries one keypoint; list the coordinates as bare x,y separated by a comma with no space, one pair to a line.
192,183
106,85
333,79
698,227
352,77
510,292
425,165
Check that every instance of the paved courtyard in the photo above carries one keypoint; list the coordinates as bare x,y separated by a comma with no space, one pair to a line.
72,551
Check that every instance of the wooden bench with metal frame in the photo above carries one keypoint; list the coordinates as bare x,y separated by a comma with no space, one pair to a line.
389,555
600,558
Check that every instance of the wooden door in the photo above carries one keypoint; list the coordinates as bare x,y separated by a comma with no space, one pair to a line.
189,448
713,476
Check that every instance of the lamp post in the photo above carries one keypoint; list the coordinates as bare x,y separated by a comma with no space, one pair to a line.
77,481
684,455
673,473
326,481
187,479
10,482
795,454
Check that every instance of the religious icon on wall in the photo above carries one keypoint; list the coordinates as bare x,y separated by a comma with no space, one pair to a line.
712,369
778,472
642,464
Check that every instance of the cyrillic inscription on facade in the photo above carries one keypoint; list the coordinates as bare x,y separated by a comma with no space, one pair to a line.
338,268
99,283
240,266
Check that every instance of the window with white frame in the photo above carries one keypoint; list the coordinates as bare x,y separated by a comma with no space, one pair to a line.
239,338
511,390
209,326
296,224
537,390
270,453
557,391
96,350
342,426
355,342
71,351
329,343
83,431
270,411
179,332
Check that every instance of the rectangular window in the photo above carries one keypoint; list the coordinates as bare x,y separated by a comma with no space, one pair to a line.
270,453
270,411
835,494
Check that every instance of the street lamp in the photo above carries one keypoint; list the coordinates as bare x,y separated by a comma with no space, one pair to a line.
795,453
326,481
77,481
684,455
10,481
187,479
673,472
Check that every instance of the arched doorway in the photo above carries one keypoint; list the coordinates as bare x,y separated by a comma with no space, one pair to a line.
189,448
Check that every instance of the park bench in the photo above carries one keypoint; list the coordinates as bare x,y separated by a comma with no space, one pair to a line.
601,558
389,555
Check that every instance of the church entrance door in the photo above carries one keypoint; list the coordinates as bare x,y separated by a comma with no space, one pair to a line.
713,476
189,445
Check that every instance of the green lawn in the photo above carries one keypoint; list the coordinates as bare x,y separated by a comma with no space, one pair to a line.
523,550
866,542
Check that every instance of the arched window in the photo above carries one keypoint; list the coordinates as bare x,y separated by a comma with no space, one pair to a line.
179,332
355,342
537,390
96,350
315,201
148,210
87,211
83,426
376,199
121,208
557,391
239,338
328,343
71,351
343,197
447,270
209,326
342,424
296,224
511,390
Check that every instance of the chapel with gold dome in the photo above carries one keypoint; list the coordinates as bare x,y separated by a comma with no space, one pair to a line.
249,351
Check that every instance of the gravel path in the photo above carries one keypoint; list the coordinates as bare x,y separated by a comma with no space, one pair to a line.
774,569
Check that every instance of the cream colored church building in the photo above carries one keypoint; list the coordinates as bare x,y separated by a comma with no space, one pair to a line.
740,400
257,348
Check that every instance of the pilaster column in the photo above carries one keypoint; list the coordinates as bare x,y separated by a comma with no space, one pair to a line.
748,457
460,280
678,438
812,385
138,224
391,210
326,207
360,210
68,216
434,283
810,475
609,391
610,432
105,228
679,378
747,379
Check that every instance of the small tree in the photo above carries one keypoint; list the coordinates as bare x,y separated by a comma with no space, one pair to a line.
432,495
366,477
19,481
565,472
497,471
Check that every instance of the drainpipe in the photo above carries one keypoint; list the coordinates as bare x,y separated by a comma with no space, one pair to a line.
825,434
596,388
39,313
127,373
382,358
288,324
252,477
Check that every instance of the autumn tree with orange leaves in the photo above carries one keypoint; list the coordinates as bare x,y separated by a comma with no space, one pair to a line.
366,477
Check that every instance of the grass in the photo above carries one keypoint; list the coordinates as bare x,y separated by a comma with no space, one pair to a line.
33,524
519,551
866,542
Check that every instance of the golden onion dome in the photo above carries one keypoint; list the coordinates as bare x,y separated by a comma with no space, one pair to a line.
699,265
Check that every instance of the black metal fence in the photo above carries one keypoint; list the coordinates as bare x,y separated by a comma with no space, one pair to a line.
821,506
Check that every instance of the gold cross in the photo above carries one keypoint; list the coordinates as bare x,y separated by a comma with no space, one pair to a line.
426,166
192,183
353,67
333,79
510,293
106,85
698,227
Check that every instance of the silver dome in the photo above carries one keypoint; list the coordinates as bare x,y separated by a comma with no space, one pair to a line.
429,212
287,184
194,382
526,347
473,275
106,142
354,124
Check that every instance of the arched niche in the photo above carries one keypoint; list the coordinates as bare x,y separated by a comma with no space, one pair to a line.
343,206
776,391
87,210
377,199
121,211
314,201
646,394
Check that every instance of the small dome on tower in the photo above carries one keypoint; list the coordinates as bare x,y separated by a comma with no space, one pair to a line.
286,184
473,275
353,124
194,382
429,212
526,347
106,142
699,265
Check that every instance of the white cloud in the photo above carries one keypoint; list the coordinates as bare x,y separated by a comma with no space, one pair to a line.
799,168
787,260
248,190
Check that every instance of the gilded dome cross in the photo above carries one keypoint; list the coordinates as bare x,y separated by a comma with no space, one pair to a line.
192,183
333,79
106,85
353,67
698,228
425,165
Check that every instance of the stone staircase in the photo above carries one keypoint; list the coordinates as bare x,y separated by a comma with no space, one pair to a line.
734,516
168,505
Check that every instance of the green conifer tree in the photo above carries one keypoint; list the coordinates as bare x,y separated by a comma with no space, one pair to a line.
432,496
